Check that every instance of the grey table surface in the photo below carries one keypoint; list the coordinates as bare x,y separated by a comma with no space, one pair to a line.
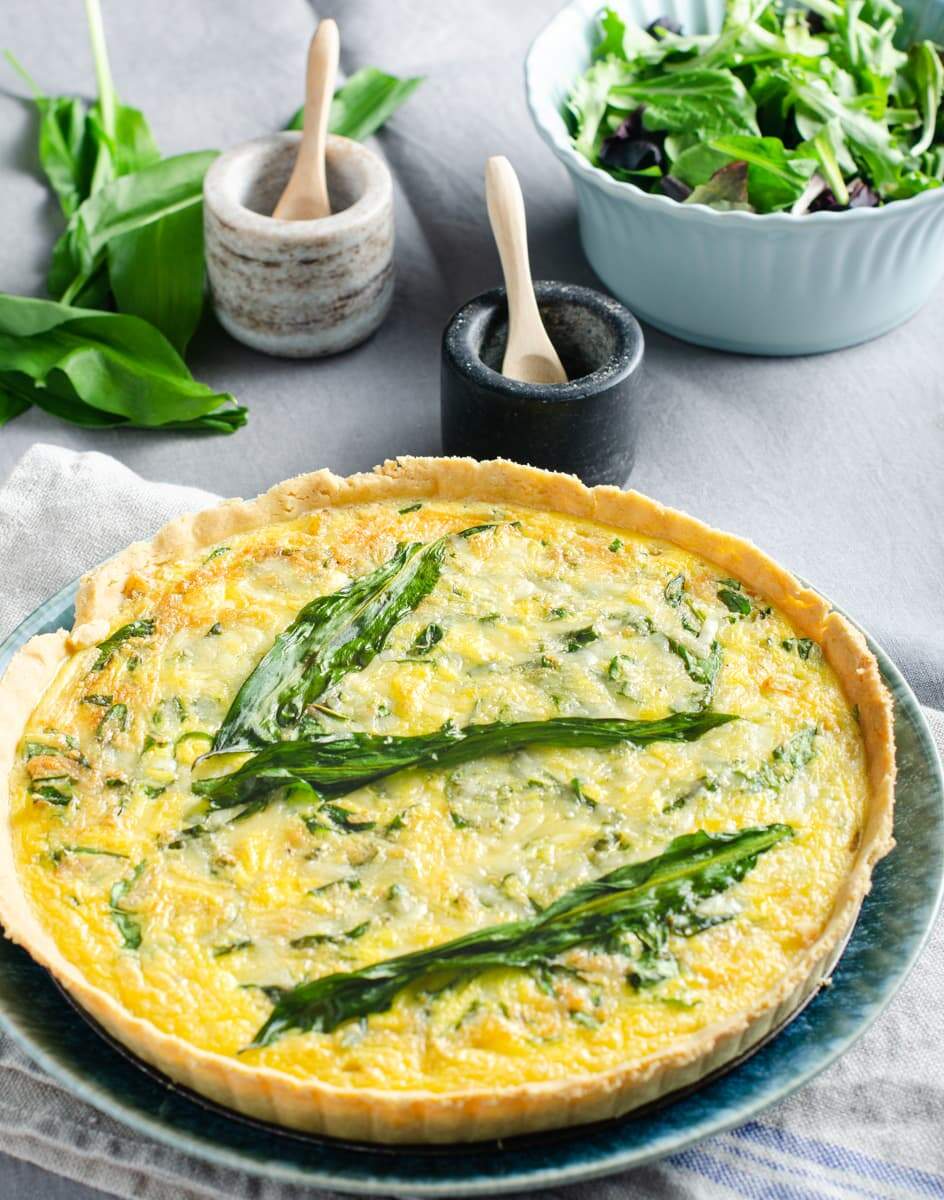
832,463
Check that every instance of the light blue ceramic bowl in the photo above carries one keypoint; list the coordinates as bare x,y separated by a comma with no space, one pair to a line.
758,284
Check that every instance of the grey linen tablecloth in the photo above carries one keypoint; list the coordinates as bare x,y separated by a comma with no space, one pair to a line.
833,464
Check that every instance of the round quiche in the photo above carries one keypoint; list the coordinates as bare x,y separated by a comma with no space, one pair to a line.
448,802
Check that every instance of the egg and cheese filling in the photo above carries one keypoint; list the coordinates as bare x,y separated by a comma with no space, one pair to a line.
199,918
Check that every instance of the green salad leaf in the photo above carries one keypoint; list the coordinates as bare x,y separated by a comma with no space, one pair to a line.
714,101
632,909
816,101
102,369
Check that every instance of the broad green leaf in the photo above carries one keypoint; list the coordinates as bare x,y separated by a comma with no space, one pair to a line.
331,636
15,397
365,102
116,364
334,765
123,206
157,273
650,899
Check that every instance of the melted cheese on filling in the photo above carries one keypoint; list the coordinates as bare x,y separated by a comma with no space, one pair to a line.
189,931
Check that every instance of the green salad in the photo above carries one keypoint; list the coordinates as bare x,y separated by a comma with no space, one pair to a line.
789,108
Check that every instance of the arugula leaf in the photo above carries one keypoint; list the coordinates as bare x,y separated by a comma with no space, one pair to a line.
364,103
700,669
649,900
827,145
674,590
588,102
576,639
15,398
341,818
924,61
334,765
803,647
331,636
157,273
115,718
715,101
612,35
103,369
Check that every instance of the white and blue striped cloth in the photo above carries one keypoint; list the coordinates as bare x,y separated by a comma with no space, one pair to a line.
870,1127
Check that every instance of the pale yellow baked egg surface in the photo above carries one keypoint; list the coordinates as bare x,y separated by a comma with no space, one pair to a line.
200,917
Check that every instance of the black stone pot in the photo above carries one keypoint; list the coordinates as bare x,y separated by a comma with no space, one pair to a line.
586,426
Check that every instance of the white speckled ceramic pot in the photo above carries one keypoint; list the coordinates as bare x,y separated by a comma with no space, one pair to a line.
299,288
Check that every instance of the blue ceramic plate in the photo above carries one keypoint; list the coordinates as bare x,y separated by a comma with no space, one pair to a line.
895,920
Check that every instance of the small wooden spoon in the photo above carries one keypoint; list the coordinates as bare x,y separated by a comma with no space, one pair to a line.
529,354
306,194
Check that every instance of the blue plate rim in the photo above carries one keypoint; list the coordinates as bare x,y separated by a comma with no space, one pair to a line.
607,1163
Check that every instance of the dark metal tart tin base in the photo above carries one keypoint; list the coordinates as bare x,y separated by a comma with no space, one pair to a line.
586,426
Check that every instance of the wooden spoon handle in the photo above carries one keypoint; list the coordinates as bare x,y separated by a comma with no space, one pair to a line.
506,214
529,353
306,195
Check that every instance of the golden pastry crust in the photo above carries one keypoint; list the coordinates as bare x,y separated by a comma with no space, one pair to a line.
474,1114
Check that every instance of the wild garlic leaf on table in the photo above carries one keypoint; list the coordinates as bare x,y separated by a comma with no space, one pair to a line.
134,239
662,895
365,102
124,205
110,368
588,103
156,272
16,397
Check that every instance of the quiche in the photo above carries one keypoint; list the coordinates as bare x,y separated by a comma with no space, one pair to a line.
447,802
